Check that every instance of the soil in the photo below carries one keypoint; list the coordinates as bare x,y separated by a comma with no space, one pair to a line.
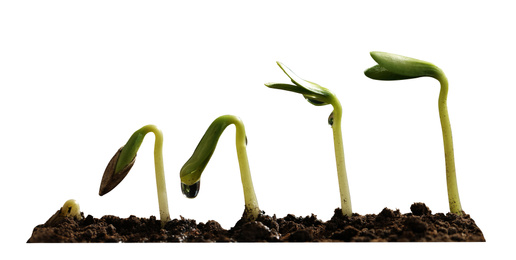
388,226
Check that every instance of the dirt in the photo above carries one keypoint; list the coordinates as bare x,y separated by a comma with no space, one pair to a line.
387,226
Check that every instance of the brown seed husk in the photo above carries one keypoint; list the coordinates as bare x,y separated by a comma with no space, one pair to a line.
111,179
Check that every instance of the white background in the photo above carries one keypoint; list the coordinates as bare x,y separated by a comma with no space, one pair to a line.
78,78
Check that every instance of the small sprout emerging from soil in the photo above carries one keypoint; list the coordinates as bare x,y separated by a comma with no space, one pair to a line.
397,67
124,159
70,209
191,172
319,96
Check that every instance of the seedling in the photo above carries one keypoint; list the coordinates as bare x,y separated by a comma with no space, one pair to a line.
69,209
397,67
319,96
191,172
124,159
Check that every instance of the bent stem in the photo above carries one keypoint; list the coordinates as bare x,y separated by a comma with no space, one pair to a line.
158,167
125,160
345,197
451,176
320,96
252,210
191,172
397,67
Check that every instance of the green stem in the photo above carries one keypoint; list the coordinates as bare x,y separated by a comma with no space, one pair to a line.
451,178
191,171
252,210
134,144
345,198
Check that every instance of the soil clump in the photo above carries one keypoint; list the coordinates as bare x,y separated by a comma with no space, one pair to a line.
387,226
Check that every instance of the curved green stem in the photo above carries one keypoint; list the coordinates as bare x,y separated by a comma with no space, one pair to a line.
345,198
193,168
396,67
320,96
451,177
252,210
129,153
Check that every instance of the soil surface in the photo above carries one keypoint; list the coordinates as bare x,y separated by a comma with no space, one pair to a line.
388,226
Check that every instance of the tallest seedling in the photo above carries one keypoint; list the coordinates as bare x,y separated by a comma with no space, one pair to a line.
397,67
319,96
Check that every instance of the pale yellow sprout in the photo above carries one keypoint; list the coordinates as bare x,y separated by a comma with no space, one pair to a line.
70,209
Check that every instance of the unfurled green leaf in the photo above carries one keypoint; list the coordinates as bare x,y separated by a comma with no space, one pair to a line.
313,93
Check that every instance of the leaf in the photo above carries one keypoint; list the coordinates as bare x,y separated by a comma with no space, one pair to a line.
310,86
380,73
128,154
192,170
312,98
315,102
289,87
405,66
313,93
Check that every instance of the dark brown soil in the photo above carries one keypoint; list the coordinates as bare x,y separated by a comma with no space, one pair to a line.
388,226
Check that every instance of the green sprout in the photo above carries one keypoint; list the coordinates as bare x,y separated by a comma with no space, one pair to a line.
319,96
397,67
191,172
69,209
124,159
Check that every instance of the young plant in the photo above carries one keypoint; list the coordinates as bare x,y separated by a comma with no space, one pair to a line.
70,209
319,96
397,67
124,159
191,172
